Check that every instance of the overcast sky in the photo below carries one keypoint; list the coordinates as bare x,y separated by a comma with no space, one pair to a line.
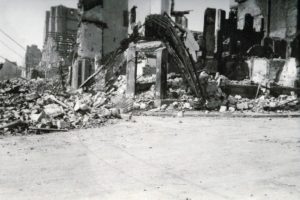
24,20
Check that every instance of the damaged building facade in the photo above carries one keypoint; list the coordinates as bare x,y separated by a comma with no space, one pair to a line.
60,32
242,47
259,40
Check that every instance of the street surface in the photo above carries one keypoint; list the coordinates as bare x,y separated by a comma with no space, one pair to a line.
152,158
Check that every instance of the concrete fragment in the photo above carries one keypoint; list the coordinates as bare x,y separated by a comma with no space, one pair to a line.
180,113
242,106
62,124
163,107
187,106
143,106
231,109
53,110
99,102
223,109
81,107
115,112
38,117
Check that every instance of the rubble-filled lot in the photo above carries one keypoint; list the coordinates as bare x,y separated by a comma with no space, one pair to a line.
40,106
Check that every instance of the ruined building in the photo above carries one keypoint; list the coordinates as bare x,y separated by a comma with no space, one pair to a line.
33,58
61,25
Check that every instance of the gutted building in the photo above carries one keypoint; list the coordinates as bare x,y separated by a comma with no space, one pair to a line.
33,58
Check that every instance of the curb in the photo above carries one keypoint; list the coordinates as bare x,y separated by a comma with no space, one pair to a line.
221,115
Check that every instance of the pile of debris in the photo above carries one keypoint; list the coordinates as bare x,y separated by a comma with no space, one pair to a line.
180,97
36,107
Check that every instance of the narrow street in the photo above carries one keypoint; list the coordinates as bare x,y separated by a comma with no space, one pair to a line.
157,158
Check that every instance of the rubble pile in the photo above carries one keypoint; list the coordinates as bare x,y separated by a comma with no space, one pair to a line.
36,107
182,98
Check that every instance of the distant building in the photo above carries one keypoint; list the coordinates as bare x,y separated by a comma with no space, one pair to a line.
33,58
9,70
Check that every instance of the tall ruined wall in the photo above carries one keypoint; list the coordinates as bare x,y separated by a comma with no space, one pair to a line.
117,29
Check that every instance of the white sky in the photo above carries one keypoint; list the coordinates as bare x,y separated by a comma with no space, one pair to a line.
24,20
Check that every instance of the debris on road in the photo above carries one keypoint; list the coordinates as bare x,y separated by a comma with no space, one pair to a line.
33,106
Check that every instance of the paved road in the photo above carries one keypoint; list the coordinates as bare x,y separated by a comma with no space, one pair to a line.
157,158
